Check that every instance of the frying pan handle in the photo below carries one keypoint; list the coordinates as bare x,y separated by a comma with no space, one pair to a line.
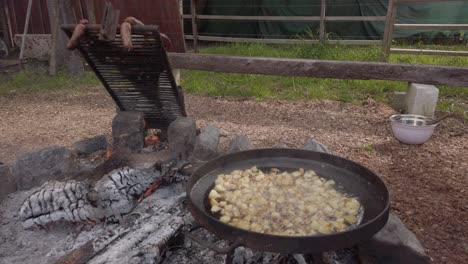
209,245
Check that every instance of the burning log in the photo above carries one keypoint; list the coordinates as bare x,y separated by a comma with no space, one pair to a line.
109,198
90,196
146,239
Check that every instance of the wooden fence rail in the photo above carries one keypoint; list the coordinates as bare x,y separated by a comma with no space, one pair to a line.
390,26
322,19
427,74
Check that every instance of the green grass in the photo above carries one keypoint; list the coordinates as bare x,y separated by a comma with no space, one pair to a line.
37,80
262,87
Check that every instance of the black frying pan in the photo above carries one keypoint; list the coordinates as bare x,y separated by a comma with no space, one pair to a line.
355,179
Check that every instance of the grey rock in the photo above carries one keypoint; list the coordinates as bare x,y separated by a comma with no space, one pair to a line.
206,144
34,168
128,131
314,145
90,145
181,136
280,145
395,243
8,183
239,143
395,232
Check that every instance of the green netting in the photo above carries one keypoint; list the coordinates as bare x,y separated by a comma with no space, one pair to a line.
441,13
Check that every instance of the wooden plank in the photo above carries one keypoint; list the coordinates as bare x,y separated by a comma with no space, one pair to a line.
427,1
257,18
432,26
169,21
323,7
110,19
355,18
90,13
193,11
430,52
285,41
353,70
388,32
6,26
25,31
16,29
289,18
54,18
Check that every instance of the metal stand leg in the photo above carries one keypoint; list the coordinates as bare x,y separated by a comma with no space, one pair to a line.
230,257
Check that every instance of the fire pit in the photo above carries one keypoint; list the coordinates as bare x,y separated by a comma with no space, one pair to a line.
108,214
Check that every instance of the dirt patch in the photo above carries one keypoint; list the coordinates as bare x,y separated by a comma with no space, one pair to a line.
428,183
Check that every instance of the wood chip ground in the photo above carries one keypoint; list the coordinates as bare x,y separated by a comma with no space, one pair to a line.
428,183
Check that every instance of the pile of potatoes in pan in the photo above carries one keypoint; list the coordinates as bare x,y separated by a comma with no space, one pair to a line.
298,203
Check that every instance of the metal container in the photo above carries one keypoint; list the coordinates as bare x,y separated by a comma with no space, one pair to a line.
412,129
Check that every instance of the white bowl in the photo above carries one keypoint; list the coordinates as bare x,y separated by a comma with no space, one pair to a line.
412,129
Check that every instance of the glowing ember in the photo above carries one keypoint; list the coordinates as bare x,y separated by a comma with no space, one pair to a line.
150,190
108,152
152,140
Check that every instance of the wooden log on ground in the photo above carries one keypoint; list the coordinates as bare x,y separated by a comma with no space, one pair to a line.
349,70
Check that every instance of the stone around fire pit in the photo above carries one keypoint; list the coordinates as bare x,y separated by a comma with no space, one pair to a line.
8,183
395,243
206,144
314,145
181,135
128,131
239,143
90,145
34,168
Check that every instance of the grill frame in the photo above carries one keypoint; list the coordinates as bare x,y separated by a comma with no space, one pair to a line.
138,80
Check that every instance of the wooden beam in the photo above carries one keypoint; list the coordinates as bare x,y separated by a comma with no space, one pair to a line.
257,18
288,18
25,31
6,25
430,52
388,32
109,22
286,41
427,1
90,13
53,10
432,26
323,8
354,18
426,74
193,15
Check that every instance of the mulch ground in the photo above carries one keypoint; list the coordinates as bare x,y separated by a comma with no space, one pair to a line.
428,183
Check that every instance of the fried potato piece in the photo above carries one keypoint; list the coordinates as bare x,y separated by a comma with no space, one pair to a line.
298,203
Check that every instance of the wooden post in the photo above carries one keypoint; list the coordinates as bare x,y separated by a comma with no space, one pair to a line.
109,22
71,59
7,26
388,33
323,8
90,13
25,31
54,18
193,10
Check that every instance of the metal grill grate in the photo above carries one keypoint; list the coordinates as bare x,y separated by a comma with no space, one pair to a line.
138,80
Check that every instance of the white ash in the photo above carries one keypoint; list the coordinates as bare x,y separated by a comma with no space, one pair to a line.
114,195
137,233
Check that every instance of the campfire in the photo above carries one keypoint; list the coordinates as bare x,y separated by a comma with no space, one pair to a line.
135,211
